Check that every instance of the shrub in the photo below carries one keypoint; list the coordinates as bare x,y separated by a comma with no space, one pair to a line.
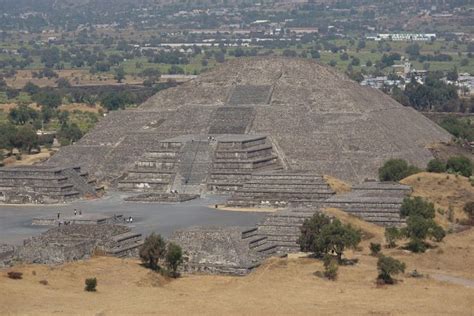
469,209
392,234
91,285
152,250
436,165
375,249
417,206
43,282
174,257
460,164
15,275
387,267
330,267
438,233
395,170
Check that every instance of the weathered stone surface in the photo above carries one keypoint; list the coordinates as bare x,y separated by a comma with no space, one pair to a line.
215,251
43,185
318,119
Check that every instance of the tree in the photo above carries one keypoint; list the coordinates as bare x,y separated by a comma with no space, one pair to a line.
152,251
436,165
413,50
310,231
460,164
392,234
8,133
452,75
174,257
31,88
69,133
26,138
395,170
114,101
387,267
119,74
22,114
336,237
48,98
331,267
417,206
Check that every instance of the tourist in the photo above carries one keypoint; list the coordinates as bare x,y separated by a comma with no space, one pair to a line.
130,220
80,212
59,214
75,212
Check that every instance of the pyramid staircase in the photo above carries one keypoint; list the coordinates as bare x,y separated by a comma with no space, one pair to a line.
236,158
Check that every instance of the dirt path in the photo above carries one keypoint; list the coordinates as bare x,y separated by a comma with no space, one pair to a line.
454,280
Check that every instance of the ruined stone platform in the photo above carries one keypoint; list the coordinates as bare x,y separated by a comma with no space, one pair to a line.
280,189
373,201
45,185
162,197
215,251
76,242
84,219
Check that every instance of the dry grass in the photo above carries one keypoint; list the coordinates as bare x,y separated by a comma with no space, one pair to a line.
444,190
337,185
28,160
280,286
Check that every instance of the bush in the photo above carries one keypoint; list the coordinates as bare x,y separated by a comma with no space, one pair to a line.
15,275
91,285
436,165
395,170
375,249
152,250
469,209
174,257
387,267
330,267
460,164
392,234
438,233
417,206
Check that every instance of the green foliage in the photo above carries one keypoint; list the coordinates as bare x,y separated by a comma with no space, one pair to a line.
375,249
392,234
48,98
396,170
321,235
460,164
153,250
91,284
174,257
119,74
387,267
436,165
22,114
114,101
69,133
437,233
331,266
417,206
459,128
310,231
26,138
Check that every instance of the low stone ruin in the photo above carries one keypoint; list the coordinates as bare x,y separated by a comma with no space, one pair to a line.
45,185
74,242
373,201
78,219
215,251
279,189
162,197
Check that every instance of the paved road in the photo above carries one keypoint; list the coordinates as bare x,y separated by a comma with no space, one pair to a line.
15,221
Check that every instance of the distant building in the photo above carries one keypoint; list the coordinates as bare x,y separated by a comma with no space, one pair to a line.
402,36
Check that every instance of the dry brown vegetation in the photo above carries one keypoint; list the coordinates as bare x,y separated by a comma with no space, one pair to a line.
444,190
337,185
280,286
